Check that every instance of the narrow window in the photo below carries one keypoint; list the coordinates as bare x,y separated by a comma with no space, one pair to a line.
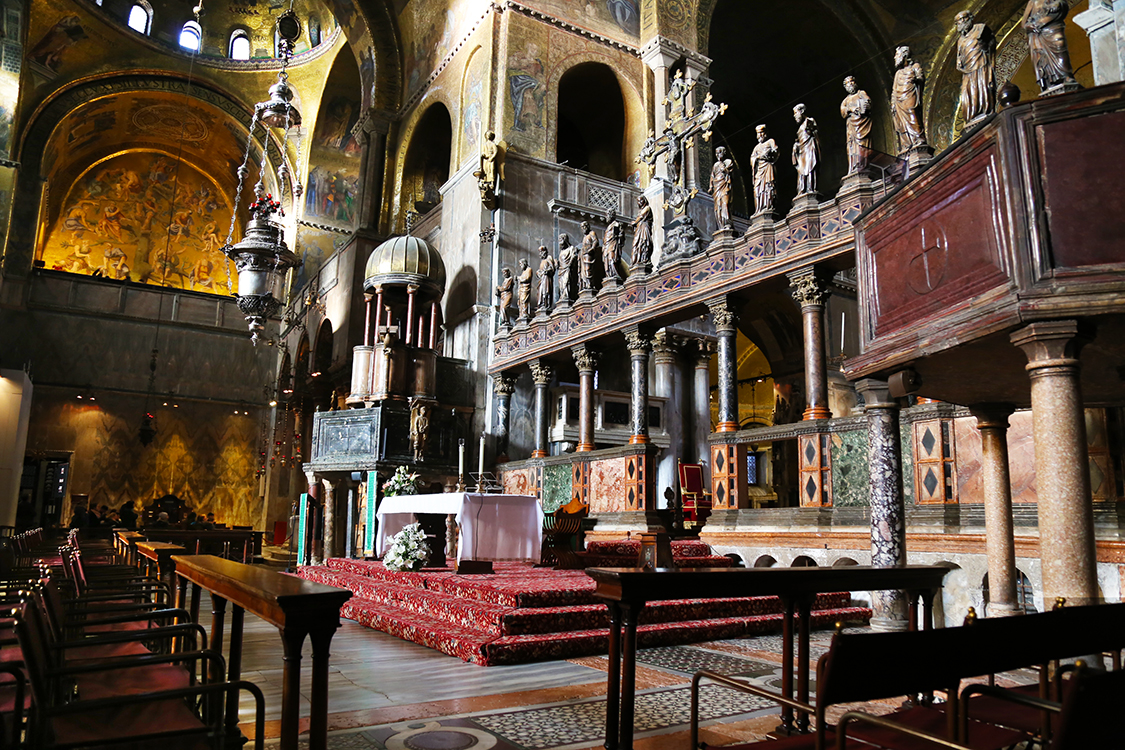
191,36
140,18
239,45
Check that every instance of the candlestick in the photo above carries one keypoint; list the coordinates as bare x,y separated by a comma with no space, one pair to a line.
480,470
461,459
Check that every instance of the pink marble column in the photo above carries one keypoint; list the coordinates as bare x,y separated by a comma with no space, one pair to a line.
587,361
1062,463
999,535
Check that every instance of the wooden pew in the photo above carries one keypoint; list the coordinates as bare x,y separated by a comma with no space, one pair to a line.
298,608
626,590
234,544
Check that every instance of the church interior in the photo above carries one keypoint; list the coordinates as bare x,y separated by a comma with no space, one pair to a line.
714,285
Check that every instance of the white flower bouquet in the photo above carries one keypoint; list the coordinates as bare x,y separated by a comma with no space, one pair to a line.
408,550
402,482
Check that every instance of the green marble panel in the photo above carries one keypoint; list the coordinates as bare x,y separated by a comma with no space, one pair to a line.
556,487
849,469
905,436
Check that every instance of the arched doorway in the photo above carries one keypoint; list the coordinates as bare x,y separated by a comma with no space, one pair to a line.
426,167
591,124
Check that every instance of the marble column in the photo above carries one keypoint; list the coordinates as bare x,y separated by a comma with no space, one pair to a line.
999,533
888,511
329,518
1062,462
695,71
587,361
669,385
701,404
372,136
312,544
726,326
640,344
503,385
541,375
1104,22
810,291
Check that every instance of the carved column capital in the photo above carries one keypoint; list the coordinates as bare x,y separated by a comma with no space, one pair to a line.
504,384
704,350
585,358
665,347
638,341
723,314
808,287
541,372
1051,344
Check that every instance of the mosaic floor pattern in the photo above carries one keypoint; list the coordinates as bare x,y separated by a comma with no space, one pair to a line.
691,660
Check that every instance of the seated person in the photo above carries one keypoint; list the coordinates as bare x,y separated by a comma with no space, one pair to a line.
161,521
80,517
128,515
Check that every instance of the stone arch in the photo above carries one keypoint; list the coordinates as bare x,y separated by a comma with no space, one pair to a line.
632,88
803,561
473,106
844,562
432,104
373,34
38,155
765,561
591,145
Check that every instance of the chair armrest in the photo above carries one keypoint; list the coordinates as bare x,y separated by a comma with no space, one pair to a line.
145,660
131,616
1008,695
879,721
734,684
126,636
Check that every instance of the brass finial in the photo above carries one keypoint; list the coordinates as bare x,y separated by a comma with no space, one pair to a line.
839,627
971,617
1060,602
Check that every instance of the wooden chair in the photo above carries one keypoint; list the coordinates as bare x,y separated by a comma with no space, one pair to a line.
561,531
695,498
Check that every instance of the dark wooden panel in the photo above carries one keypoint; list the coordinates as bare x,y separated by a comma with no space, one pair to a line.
1083,167
943,254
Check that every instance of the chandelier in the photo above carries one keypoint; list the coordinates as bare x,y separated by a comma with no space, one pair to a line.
262,258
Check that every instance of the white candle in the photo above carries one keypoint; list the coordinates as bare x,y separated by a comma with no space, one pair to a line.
843,329
480,471
461,459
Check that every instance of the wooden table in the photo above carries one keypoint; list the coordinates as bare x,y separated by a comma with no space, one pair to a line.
240,544
128,541
626,590
297,607
160,555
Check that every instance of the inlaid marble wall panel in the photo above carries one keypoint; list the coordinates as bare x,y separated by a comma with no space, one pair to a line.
849,469
607,486
556,487
520,482
202,453
1021,459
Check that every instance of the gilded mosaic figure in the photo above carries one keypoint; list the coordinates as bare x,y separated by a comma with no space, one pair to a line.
806,151
976,58
1045,24
642,237
504,291
611,249
906,102
856,111
568,257
524,289
546,275
762,160
591,249
721,172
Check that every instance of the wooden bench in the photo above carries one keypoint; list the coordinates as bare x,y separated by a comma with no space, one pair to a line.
863,667
233,544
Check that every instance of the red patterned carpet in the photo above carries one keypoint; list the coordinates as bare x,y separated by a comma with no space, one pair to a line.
524,614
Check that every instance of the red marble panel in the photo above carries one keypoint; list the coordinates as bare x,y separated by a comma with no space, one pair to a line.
944,250
608,486
1021,459
519,482
1082,162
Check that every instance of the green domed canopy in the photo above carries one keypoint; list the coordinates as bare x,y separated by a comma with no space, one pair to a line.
401,261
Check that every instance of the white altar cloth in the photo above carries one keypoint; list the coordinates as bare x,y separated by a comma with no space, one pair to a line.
493,527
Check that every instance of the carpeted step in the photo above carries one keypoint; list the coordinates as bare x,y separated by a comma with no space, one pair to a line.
521,649
464,643
593,560
632,548
545,620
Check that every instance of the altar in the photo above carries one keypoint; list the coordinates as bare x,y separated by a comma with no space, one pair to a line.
493,527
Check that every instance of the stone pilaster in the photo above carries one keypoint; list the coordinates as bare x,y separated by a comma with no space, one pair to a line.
726,326
503,385
888,512
372,136
587,361
701,403
810,291
1062,462
640,345
329,518
999,534
541,375
669,384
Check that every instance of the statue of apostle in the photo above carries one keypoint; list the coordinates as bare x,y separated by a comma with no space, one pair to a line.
642,237
568,255
525,277
504,293
491,167
591,247
806,151
856,111
546,275
721,172
906,102
611,250
1045,24
976,57
762,159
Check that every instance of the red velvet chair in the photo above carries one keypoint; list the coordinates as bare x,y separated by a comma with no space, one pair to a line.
693,493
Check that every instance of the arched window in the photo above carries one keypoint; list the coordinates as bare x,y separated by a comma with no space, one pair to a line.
239,45
314,31
191,36
140,18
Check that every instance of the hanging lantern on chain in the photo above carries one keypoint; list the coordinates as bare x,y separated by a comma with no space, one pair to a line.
262,258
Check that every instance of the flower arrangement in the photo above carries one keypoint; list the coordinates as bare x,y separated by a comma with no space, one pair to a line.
401,483
408,550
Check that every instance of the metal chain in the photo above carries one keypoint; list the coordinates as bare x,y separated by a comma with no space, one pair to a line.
242,172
